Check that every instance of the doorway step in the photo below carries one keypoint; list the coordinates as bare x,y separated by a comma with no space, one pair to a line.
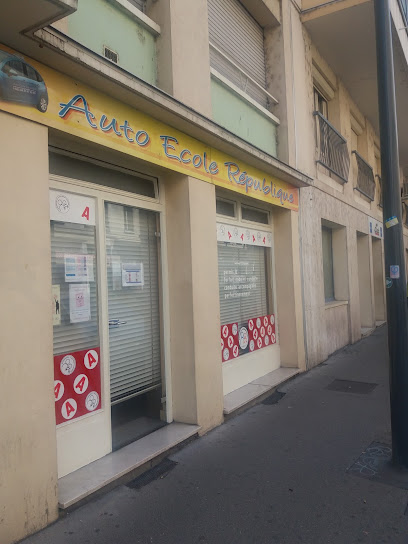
252,393
127,462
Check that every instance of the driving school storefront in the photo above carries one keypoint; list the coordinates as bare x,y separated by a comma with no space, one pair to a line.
146,276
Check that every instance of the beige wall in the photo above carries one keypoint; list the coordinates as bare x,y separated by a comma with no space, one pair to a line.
288,288
364,282
194,302
28,467
183,55
378,277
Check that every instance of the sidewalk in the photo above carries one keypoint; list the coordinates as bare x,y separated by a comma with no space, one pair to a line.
273,475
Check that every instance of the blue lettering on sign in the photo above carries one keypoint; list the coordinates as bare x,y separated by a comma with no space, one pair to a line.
72,105
78,104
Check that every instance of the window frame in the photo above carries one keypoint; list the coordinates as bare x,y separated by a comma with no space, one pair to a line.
328,297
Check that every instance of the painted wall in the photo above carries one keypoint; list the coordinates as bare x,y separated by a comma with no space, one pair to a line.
194,303
235,114
183,55
98,23
28,462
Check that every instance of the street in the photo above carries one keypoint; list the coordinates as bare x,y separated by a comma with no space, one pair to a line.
273,475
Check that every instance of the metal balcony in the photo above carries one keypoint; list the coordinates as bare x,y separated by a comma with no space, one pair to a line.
404,9
404,191
332,148
365,177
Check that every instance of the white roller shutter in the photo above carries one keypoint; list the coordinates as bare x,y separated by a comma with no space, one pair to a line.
135,363
242,282
237,39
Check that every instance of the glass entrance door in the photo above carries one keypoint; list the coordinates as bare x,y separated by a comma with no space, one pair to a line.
134,321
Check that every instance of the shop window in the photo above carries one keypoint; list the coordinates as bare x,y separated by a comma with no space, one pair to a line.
245,286
74,285
254,214
101,174
225,207
335,259
243,282
327,244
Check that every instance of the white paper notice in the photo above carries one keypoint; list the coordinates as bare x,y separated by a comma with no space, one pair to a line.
132,275
56,305
79,303
79,268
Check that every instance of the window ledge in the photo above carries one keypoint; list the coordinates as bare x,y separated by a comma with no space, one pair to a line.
139,16
335,303
215,74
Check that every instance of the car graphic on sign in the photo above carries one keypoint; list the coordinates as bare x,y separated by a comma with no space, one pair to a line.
20,82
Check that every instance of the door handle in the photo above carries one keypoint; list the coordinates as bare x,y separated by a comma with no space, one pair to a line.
116,322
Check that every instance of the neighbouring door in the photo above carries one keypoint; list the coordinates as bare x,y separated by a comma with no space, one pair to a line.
133,301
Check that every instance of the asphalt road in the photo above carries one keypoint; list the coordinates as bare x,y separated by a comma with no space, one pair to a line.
273,475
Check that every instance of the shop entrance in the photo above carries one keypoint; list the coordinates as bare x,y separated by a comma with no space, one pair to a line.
134,322
106,284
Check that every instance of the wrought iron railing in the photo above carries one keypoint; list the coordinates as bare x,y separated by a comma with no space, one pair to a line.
380,191
404,190
404,9
332,148
365,177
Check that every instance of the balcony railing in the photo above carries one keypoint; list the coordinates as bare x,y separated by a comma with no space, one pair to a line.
404,9
404,191
332,148
365,177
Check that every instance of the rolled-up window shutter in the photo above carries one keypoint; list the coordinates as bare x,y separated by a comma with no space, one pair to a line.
239,38
139,4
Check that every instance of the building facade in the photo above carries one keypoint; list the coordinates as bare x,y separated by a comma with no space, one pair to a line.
191,215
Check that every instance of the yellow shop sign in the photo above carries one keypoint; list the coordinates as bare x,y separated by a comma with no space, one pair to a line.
34,91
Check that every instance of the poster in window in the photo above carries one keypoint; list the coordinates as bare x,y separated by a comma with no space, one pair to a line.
79,268
132,275
56,305
79,303
77,384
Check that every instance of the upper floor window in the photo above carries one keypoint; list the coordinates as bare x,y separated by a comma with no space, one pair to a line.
320,103
139,4
237,48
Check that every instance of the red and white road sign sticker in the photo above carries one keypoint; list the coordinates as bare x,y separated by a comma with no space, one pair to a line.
273,338
92,401
91,359
251,345
265,321
68,365
262,331
243,338
81,383
58,390
259,342
250,324
225,354
230,341
225,331
234,329
255,334
69,409
235,351
266,340
258,322
222,344
269,330
272,319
